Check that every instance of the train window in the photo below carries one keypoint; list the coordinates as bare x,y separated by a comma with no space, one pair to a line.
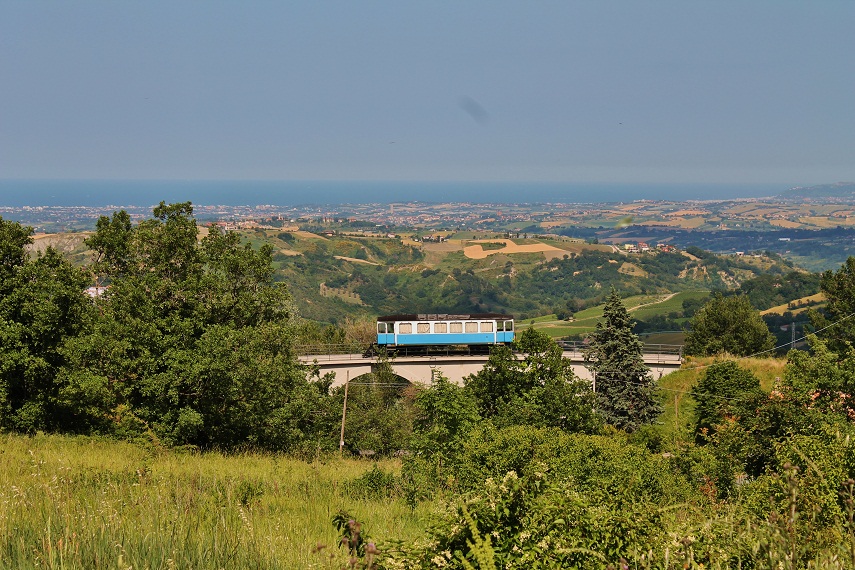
509,325
471,327
456,327
405,328
440,328
381,328
487,327
423,328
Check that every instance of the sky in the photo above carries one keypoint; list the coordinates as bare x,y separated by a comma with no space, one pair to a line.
569,91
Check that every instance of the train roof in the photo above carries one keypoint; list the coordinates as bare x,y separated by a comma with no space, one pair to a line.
445,317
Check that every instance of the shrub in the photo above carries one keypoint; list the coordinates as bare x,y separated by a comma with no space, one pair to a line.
374,484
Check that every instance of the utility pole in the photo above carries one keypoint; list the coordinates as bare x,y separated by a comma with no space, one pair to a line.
792,335
343,416
594,386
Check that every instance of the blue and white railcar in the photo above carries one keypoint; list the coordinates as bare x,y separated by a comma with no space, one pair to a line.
444,329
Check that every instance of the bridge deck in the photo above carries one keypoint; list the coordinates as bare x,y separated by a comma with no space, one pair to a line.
569,347
575,356
457,365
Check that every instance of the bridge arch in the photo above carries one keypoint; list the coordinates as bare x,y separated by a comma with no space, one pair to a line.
368,380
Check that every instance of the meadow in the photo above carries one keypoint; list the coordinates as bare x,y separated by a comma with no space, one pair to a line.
85,502
82,502
641,307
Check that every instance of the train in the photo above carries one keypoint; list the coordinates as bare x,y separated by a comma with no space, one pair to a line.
429,330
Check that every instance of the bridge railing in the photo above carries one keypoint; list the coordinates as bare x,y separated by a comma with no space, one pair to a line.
339,351
356,351
647,348
327,349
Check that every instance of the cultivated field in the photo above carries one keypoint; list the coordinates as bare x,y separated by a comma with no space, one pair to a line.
781,309
477,251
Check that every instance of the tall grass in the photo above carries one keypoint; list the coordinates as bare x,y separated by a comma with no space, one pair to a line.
84,503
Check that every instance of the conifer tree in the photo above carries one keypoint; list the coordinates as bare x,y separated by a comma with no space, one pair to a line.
626,392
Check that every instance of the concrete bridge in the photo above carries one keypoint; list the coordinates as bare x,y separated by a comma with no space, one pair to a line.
661,359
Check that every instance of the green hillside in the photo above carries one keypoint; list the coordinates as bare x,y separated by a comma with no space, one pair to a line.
559,282
336,276
641,308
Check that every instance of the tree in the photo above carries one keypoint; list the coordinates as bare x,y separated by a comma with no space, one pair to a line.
723,391
839,290
379,410
805,416
538,388
445,413
728,324
110,243
13,240
42,307
626,392
194,340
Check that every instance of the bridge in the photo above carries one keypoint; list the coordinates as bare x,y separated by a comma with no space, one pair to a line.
348,363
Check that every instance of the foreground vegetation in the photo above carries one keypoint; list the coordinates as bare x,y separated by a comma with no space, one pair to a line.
188,365
80,502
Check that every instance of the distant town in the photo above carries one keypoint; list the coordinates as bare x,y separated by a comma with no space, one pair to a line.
816,232
744,214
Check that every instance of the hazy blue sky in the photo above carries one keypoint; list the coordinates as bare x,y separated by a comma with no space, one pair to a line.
716,91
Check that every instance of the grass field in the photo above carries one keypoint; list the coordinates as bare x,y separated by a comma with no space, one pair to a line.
781,309
84,503
665,337
673,304
641,307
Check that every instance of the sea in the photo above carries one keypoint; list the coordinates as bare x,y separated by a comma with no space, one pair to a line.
95,193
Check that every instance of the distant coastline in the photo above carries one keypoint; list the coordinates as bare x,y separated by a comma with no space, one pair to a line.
23,193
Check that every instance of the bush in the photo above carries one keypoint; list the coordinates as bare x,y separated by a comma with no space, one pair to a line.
609,467
374,484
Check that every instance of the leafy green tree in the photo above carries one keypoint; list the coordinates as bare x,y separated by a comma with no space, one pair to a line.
110,243
626,392
445,413
379,410
42,306
728,324
819,384
497,382
194,341
724,390
538,387
13,254
693,305
805,421
839,290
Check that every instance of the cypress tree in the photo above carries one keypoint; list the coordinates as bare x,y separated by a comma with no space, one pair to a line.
626,392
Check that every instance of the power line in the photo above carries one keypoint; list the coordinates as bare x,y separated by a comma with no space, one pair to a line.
762,352
755,355
649,385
